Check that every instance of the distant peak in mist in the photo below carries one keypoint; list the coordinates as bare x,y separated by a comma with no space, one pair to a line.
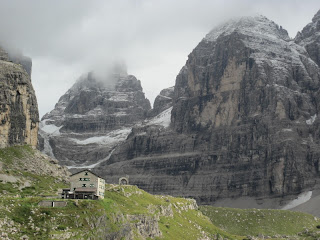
119,68
102,77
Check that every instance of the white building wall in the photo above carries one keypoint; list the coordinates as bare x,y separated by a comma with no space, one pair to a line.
88,180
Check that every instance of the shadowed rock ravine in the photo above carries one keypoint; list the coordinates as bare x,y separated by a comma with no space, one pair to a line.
244,121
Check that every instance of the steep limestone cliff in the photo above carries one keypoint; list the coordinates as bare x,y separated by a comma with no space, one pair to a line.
244,121
92,118
19,110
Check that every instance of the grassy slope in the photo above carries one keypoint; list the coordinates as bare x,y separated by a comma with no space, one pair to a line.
110,218
273,223
84,219
126,212
11,159
180,222
48,223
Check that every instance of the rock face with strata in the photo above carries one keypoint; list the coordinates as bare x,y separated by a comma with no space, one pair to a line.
244,120
163,101
19,115
92,117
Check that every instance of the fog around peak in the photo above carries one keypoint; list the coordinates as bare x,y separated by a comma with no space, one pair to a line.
66,39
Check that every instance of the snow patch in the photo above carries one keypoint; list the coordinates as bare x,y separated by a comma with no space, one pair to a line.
119,97
121,113
163,118
271,45
96,111
93,165
112,137
258,25
50,129
164,96
287,130
311,120
302,198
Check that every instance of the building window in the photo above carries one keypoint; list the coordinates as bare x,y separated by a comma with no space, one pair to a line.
91,185
84,185
86,173
84,179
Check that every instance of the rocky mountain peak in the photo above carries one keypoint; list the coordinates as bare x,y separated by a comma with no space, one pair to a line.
252,48
244,120
93,116
316,17
309,38
309,31
117,79
258,26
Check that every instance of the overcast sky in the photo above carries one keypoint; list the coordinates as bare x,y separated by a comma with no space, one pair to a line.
154,37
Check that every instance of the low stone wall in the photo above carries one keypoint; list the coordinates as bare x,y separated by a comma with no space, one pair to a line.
53,204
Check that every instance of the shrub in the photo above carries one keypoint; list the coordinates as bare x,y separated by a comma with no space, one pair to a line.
61,227
21,214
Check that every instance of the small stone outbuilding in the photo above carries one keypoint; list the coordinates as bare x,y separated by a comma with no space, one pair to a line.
124,181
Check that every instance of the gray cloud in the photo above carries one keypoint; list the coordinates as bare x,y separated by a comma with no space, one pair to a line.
68,38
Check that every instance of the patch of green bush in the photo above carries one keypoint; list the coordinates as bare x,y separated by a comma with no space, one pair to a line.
21,213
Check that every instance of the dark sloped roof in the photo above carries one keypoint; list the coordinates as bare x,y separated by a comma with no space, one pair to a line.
85,189
86,170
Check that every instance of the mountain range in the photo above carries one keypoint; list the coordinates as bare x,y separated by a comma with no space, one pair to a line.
240,123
